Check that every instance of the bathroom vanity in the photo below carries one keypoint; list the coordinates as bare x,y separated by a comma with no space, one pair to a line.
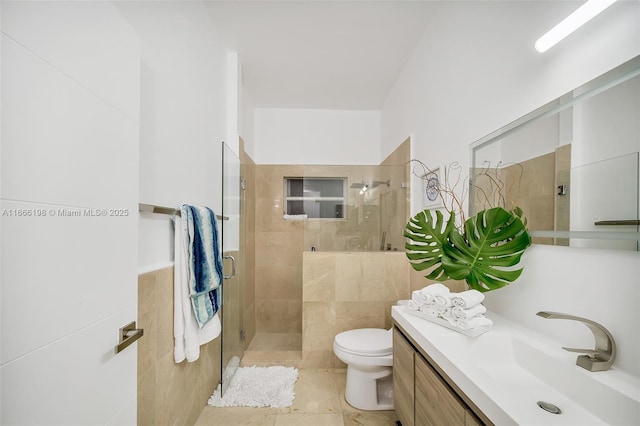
504,376
422,394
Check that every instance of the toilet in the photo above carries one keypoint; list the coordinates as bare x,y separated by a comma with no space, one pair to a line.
368,353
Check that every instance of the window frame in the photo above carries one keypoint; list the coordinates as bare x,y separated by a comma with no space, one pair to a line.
343,200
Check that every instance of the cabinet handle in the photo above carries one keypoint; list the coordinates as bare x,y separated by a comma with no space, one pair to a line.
128,334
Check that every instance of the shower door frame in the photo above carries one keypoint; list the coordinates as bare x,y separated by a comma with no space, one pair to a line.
232,336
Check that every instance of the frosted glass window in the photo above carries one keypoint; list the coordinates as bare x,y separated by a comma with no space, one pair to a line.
318,198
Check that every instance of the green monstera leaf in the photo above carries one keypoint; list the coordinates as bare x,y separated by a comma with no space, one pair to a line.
484,256
427,241
493,244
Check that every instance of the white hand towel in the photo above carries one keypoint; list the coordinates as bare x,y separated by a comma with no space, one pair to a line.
435,289
467,299
294,217
461,313
447,315
186,332
417,298
421,297
473,323
442,300
430,309
413,305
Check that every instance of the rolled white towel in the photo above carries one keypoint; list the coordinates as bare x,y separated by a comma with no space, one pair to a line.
430,309
413,305
435,289
294,217
473,323
446,315
424,296
467,299
461,313
420,298
442,300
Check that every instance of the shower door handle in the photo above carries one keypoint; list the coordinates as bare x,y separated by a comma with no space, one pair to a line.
233,267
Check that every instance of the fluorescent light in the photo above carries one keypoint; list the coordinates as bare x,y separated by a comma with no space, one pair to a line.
571,23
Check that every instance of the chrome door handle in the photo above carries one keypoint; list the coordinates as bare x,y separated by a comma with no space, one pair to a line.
233,267
128,334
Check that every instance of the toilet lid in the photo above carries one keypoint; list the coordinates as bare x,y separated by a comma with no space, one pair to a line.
366,341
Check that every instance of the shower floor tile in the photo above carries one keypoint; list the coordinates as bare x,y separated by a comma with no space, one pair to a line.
267,349
276,342
319,401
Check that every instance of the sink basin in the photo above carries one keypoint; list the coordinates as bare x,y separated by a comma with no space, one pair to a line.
508,370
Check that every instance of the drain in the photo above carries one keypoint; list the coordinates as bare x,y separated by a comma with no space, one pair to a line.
547,406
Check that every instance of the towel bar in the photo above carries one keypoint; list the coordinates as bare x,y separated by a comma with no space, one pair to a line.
618,222
151,208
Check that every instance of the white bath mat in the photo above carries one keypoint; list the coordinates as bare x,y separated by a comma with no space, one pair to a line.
258,387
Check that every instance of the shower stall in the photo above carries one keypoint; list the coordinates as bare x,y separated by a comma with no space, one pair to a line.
314,208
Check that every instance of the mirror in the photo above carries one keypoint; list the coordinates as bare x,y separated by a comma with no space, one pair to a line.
571,165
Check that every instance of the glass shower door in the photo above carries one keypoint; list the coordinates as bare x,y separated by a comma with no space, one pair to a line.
232,231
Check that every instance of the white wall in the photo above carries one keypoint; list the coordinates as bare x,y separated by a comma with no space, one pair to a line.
474,71
311,136
70,131
247,130
184,116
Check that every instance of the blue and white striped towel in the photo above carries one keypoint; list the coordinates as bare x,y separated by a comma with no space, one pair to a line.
204,261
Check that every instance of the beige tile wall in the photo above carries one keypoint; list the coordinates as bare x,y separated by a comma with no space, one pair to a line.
347,290
395,201
279,244
563,204
531,185
248,245
278,254
169,393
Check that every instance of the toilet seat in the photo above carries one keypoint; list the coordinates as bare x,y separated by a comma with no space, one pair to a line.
369,342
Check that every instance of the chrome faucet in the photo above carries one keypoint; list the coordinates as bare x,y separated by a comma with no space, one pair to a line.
599,359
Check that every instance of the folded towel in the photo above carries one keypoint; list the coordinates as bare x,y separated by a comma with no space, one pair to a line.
294,216
473,323
467,299
205,261
461,313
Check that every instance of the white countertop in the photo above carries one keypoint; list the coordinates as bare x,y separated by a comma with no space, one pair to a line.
507,370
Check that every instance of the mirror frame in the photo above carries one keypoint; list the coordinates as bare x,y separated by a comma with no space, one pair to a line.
599,84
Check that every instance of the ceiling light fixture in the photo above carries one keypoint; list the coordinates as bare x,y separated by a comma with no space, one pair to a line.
571,23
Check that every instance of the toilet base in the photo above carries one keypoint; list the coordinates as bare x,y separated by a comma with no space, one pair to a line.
370,388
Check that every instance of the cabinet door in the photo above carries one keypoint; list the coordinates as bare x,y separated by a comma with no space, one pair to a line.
403,355
435,404
471,420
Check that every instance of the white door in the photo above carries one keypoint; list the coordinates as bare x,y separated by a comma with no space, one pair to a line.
69,189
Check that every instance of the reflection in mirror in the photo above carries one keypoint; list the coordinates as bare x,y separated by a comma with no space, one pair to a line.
571,165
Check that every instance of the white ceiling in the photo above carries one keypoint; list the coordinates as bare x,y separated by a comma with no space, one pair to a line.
321,54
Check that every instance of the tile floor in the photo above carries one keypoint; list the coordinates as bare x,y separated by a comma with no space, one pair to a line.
319,399
268,349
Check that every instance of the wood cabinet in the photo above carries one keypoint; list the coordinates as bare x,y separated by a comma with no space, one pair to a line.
421,395
403,376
